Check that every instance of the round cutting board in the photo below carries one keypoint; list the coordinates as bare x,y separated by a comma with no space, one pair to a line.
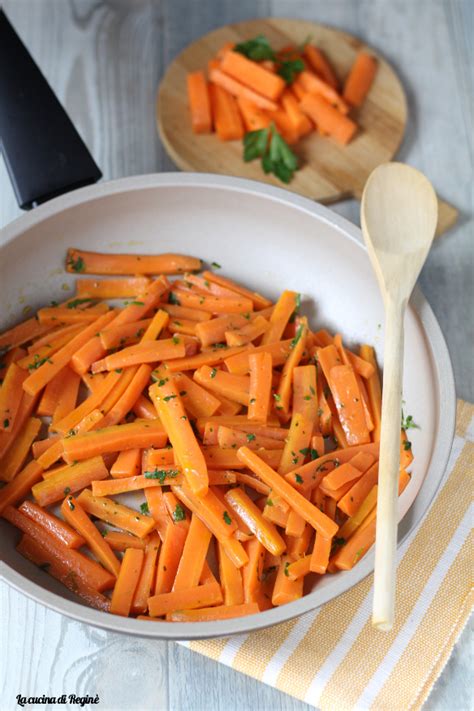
328,172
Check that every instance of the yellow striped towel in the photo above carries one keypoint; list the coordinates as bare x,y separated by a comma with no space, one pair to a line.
333,659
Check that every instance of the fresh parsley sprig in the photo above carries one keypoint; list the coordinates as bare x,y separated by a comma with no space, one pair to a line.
276,155
257,49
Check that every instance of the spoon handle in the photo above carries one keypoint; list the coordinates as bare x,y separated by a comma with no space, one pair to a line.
389,464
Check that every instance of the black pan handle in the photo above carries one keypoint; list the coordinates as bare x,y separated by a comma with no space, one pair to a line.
44,154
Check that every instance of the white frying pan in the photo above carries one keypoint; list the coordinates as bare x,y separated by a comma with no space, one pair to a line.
269,239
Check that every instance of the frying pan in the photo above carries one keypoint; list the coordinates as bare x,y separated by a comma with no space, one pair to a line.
269,239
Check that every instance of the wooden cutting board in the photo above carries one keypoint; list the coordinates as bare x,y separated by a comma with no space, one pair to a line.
329,172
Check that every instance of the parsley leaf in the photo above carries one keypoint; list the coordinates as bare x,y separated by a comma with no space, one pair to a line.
161,474
298,479
290,68
408,423
256,49
144,509
173,299
215,265
213,373
250,437
179,513
276,155
227,518
77,265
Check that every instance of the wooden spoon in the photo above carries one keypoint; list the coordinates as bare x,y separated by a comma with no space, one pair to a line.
399,213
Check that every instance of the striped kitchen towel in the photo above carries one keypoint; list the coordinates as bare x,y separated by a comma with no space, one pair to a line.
333,659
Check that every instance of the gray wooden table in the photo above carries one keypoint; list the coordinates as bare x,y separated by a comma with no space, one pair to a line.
104,60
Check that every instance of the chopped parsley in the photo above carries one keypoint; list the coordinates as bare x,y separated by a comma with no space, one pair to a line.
339,541
179,513
67,490
408,423
6,423
298,479
118,370
256,49
182,393
407,445
161,474
70,504
297,337
269,502
285,570
290,68
227,518
76,302
38,362
215,265
250,437
144,509
213,373
173,299
169,397
76,265
176,340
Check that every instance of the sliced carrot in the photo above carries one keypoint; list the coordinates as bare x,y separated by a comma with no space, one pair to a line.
159,477
298,502
76,517
120,541
22,333
237,89
193,556
127,581
253,75
53,562
360,79
297,346
352,523
351,501
182,312
53,525
357,546
299,120
14,459
299,568
125,264
320,555
124,334
9,400
227,437
141,434
69,480
148,352
247,333
314,472
112,288
328,119
252,572
199,102
217,458
167,401
234,387
191,598
248,512
214,304
259,302
374,389
207,357
133,388
55,450
39,354
286,305
260,365
320,65
227,119
238,363
196,400
297,445
298,546
116,514
230,578
314,85
20,486
127,464
46,372
56,315
254,117
84,568
286,589
170,555
147,576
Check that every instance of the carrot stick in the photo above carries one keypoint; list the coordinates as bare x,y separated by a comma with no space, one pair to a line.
41,445
124,264
199,102
219,612
84,568
170,555
313,472
297,445
297,346
182,312
127,464
253,75
112,288
350,410
214,304
316,86
286,589
248,512
237,89
14,459
298,502
357,546
127,581
351,501
56,315
46,372
196,400
238,363
260,386
360,79
9,400
125,403
39,354
160,477
69,480
114,439
124,334
320,555
192,598
247,333
328,119
55,450
299,120
217,458
147,575
227,119
215,523
320,65
116,514
76,517
241,422
53,562
254,117
148,352
208,357
230,579
235,387
299,568
20,486
374,389
167,401
22,333
13,356
252,572
53,525
120,541
349,471
227,437
352,523
297,547
260,302
193,556
144,409
284,308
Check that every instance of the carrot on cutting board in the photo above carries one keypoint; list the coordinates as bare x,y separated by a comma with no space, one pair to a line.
237,89
254,117
320,65
253,75
227,118
327,118
360,79
199,102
